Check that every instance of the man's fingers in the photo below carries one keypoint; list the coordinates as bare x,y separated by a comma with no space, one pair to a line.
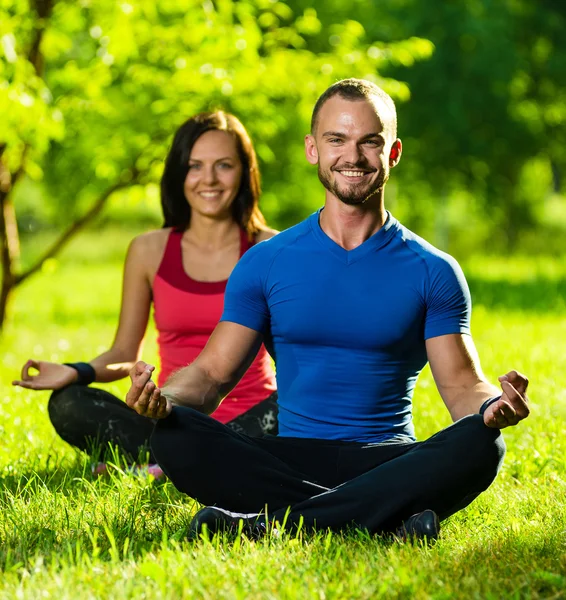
515,399
163,409
508,415
153,404
156,407
138,394
496,417
499,418
505,411
510,408
140,368
491,419
139,381
145,396
519,381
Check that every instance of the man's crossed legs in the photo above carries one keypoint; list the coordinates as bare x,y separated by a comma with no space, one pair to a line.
327,483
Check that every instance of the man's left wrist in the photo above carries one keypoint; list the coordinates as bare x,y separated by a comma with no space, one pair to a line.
488,403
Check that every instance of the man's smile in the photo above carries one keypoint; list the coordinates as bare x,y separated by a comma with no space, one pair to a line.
353,175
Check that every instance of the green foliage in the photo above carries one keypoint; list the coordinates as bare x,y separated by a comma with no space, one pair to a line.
26,102
487,108
480,89
121,77
66,535
484,128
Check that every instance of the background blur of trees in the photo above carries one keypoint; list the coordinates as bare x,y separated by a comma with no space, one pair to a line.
92,90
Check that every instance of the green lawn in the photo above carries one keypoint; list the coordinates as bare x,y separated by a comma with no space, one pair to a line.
64,534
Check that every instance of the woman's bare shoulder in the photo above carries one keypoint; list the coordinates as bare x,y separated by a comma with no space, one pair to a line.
150,241
266,234
146,250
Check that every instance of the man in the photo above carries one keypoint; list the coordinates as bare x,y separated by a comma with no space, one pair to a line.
353,305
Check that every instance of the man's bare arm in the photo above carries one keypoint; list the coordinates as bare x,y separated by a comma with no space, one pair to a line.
204,383
457,372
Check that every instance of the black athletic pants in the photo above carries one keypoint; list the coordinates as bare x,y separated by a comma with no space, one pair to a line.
329,484
89,418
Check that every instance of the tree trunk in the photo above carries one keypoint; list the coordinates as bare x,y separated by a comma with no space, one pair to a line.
9,238
8,246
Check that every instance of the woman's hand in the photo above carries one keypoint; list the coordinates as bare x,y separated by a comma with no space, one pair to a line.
51,376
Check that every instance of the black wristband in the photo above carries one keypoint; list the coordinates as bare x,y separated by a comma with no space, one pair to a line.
488,402
86,372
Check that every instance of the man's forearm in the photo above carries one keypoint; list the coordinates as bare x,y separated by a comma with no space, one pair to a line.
468,401
194,387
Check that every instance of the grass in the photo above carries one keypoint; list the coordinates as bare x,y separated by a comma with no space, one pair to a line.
65,534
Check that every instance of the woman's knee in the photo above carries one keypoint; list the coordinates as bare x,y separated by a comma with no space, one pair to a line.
64,406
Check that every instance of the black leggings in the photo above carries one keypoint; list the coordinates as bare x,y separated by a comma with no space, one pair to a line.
91,418
328,483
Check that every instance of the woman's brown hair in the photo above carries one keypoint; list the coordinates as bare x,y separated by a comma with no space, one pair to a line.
245,208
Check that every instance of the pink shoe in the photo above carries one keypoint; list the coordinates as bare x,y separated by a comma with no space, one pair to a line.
156,471
153,469
99,469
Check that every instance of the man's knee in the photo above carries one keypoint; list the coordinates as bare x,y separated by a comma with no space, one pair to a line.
181,431
485,445
184,446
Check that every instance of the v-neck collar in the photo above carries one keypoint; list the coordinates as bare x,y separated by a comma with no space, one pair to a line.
375,242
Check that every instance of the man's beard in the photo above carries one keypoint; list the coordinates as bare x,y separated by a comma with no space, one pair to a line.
356,193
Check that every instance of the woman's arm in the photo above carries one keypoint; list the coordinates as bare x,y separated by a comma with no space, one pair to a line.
139,270
142,261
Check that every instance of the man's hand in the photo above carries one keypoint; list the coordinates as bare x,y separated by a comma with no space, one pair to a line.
51,376
513,405
144,396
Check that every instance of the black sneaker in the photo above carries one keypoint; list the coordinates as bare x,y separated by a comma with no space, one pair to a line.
422,526
218,520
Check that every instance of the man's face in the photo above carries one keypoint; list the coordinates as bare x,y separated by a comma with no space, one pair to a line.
352,146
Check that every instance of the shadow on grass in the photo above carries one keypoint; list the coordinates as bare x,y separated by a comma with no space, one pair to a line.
56,474
66,517
57,508
539,295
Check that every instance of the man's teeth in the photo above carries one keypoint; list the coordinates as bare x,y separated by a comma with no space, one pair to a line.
353,173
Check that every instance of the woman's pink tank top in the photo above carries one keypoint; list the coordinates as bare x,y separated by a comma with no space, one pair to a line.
186,311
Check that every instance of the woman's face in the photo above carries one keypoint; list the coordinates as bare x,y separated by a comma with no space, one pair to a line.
215,173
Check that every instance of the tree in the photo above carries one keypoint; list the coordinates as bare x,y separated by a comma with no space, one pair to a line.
484,125
29,125
487,106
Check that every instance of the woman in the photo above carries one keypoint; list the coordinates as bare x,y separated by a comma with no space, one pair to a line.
209,194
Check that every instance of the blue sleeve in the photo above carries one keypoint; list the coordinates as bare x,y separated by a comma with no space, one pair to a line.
448,306
244,299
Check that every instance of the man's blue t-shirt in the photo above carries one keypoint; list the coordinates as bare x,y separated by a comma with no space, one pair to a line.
348,327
